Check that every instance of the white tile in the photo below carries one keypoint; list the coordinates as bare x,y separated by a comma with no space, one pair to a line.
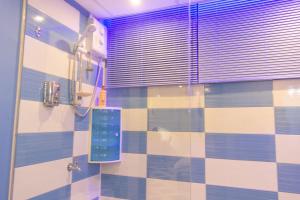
198,191
288,196
286,92
198,145
81,142
134,119
240,120
33,180
169,143
168,190
60,11
176,96
183,144
241,174
288,149
134,165
42,57
35,117
85,189
45,58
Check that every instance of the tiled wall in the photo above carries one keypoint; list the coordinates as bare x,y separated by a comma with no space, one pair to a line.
225,141
50,138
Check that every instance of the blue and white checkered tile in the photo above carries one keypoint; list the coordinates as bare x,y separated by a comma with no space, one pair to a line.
86,182
240,141
47,146
176,143
225,141
64,36
44,177
133,101
239,108
127,179
287,110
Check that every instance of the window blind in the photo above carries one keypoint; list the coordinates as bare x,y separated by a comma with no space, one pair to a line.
153,48
248,40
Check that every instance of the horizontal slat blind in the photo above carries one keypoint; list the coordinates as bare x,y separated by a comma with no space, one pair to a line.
153,48
250,40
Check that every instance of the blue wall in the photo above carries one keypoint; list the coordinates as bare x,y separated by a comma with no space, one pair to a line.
10,20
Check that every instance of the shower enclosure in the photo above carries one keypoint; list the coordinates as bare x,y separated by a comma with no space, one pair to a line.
151,75
208,91
162,118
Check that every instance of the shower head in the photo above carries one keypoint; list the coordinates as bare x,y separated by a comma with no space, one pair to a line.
90,28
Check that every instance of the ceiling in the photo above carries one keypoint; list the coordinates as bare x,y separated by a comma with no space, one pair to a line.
117,8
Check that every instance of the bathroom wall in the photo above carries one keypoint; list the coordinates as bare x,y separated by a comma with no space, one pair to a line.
49,139
158,162
245,145
225,141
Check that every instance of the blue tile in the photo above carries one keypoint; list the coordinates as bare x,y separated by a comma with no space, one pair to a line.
32,85
241,94
63,193
52,32
287,120
197,170
83,21
123,187
87,170
240,147
176,168
229,193
289,178
127,97
82,123
33,148
176,120
134,142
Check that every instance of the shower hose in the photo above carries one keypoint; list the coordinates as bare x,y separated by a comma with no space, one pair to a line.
74,95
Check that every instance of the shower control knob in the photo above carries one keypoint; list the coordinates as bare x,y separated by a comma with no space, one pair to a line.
38,31
73,167
51,93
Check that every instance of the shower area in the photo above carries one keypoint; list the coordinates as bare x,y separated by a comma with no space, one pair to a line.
209,93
